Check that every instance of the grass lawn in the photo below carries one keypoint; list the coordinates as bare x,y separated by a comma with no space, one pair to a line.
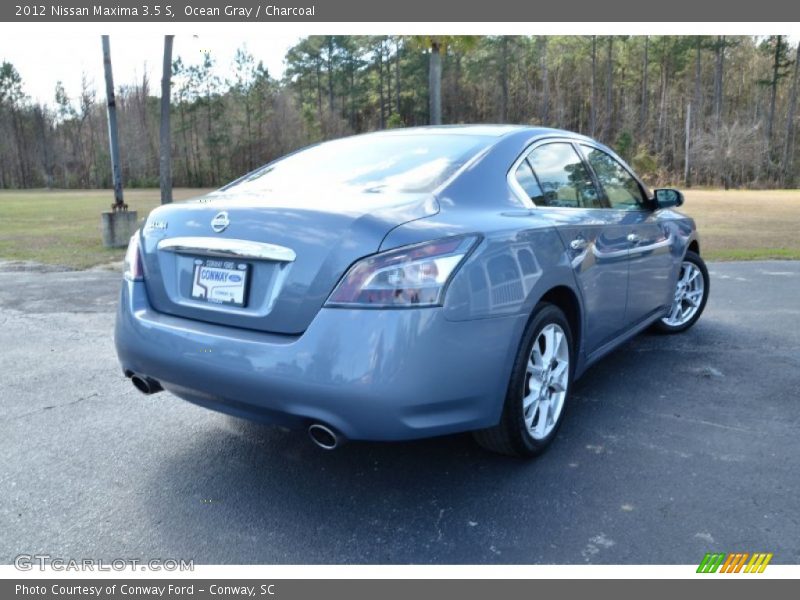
63,227
746,225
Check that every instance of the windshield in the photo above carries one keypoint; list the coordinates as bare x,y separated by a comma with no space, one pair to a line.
368,163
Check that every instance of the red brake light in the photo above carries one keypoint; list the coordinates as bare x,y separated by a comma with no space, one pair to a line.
132,267
410,276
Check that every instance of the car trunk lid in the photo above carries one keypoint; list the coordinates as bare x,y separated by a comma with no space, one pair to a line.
285,253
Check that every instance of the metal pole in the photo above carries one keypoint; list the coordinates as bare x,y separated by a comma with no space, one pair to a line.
165,167
113,136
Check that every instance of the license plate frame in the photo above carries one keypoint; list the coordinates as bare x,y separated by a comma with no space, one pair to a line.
214,282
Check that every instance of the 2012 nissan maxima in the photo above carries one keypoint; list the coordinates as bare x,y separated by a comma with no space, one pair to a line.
408,283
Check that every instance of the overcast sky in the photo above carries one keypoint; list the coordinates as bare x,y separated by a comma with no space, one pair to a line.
42,62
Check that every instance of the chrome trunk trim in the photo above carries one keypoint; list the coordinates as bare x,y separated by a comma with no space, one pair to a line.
230,248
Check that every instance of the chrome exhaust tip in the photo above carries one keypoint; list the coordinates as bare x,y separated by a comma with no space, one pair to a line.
145,384
324,437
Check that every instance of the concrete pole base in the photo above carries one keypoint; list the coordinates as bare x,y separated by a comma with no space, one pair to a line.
117,228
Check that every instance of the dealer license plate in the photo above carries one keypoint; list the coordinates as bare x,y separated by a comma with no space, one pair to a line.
220,281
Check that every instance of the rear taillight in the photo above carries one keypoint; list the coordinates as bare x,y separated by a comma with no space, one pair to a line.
411,276
132,267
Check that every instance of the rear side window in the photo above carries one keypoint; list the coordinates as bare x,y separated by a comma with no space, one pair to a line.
623,191
564,179
527,181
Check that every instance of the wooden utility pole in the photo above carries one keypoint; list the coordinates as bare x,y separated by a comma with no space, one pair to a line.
545,110
593,103
643,110
686,177
165,150
777,63
503,78
397,73
113,135
788,148
719,74
609,126
435,82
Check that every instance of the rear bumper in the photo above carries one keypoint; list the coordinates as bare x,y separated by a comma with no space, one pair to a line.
371,374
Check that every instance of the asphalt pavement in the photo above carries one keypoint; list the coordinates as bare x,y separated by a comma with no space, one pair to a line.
673,446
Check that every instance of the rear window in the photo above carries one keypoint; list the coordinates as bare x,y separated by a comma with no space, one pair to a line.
368,163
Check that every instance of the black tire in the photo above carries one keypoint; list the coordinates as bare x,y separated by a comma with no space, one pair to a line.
663,327
511,436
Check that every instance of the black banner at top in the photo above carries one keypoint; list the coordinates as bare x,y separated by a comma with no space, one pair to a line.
258,11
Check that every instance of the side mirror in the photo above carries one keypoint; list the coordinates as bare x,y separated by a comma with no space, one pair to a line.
668,197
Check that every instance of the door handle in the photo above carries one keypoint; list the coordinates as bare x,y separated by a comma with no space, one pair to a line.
578,244
633,238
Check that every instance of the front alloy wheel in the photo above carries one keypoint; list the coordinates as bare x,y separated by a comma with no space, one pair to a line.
691,294
538,390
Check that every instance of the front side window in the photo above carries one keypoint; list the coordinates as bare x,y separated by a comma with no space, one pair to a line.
564,180
622,190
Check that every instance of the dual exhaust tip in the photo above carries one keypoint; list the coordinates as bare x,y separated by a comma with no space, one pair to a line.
322,435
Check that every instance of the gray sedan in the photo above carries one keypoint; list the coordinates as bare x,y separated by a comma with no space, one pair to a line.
407,284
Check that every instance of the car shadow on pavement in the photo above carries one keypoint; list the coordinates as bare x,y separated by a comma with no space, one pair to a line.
260,494
652,432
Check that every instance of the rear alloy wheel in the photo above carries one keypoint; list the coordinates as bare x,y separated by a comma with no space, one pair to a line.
691,294
540,384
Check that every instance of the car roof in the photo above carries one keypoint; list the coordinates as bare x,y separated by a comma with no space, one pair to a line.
486,130
476,130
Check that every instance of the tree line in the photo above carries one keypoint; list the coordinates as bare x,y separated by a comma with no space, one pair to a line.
686,110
